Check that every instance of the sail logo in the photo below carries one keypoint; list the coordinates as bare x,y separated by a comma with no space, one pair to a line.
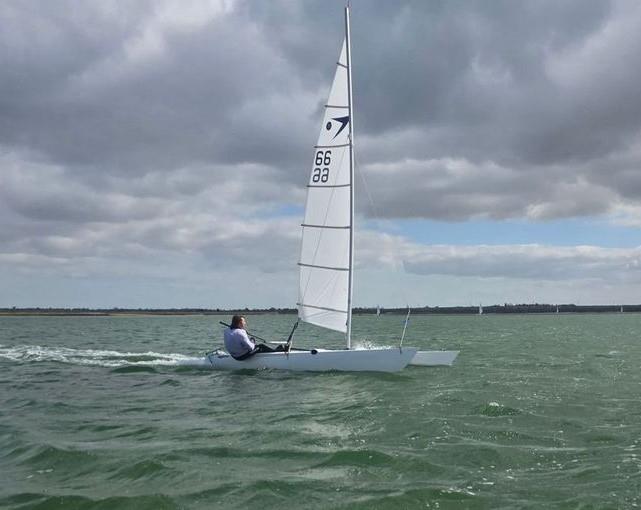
343,120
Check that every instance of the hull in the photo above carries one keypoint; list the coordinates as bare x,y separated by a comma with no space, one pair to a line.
317,360
434,358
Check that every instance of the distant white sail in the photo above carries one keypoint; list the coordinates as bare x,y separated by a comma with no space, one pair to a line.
326,249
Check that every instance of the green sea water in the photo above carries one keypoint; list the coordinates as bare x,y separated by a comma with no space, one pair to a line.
538,411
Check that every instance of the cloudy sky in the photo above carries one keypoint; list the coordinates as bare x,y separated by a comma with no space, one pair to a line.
155,153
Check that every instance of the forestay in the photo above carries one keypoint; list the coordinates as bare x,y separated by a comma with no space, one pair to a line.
326,250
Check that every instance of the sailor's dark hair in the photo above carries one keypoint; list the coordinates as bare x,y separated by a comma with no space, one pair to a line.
235,321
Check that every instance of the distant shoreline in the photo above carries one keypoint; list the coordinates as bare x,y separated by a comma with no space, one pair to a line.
427,310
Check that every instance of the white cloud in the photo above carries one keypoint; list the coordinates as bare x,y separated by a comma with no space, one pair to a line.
533,262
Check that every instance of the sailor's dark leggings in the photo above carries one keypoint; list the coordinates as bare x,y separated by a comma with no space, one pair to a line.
259,348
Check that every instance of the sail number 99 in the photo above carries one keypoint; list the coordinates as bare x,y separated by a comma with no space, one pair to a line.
322,162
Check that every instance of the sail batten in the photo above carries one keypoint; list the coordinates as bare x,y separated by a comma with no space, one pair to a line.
328,185
324,226
321,308
328,268
331,146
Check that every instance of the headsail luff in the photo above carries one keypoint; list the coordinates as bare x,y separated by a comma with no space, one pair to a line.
326,259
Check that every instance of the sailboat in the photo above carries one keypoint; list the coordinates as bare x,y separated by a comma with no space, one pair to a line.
327,252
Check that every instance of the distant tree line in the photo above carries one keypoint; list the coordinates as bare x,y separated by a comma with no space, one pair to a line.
447,310
509,308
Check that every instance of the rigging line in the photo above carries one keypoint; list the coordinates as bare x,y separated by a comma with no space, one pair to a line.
366,188
291,336
407,319
377,214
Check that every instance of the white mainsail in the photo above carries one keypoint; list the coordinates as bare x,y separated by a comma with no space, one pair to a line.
326,257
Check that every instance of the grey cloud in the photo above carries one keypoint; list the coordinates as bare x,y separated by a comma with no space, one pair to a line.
456,190
157,128
131,93
89,103
475,71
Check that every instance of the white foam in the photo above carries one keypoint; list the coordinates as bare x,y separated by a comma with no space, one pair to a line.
367,345
105,358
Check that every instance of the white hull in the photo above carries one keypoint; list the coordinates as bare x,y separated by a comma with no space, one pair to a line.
434,358
317,360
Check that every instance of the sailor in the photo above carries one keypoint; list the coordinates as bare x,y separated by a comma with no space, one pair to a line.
240,345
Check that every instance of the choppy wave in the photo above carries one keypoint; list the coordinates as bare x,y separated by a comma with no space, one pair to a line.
496,409
97,357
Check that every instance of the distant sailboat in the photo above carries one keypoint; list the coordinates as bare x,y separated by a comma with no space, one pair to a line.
557,308
480,309
378,311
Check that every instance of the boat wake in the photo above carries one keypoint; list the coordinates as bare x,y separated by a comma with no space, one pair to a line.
94,357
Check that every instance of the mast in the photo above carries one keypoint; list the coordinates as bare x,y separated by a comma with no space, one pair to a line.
351,179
